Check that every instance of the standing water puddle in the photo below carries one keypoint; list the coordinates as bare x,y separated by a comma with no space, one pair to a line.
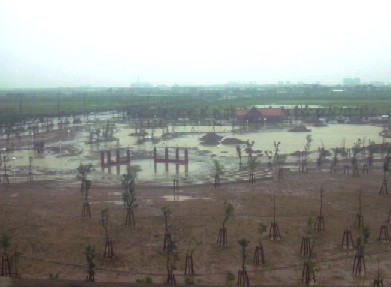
181,197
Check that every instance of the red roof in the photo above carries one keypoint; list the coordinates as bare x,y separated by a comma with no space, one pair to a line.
271,112
241,113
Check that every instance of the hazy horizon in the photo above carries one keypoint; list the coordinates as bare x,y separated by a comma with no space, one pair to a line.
48,44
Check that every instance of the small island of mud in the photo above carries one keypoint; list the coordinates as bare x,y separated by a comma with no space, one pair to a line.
299,129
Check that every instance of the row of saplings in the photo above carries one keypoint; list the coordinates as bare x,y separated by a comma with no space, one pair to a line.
170,249
169,245
10,262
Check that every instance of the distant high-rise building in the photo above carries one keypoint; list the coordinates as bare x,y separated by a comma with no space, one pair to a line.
351,81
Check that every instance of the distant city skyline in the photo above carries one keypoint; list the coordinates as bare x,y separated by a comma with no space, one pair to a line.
46,44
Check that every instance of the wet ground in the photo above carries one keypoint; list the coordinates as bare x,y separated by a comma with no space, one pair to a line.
68,146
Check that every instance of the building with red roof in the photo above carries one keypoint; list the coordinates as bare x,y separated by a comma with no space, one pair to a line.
261,115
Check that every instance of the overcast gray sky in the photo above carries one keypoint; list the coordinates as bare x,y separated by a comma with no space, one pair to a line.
113,43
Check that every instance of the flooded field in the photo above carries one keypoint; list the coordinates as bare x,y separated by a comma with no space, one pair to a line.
72,146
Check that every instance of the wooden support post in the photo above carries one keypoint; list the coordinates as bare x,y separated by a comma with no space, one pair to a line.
86,212
364,169
307,244
378,281
189,267
30,176
176,168
166,158
383,235
355,171
128,156
251,179
332,168
217,180
5,266
109,157
222,238
171,277
109,250
155,159
274,232
186,160
319,223
359,222
308,274
346,169
280,174
90,277
259,255
186,156
359,264
347,239
384,188
6,178
117,156
166,241
129,221
175,184
5,175
243,279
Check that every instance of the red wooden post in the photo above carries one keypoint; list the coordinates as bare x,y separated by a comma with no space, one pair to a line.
176,155
118,160
155,159
128,155
166,158
186,160
102,158
109,157
186,156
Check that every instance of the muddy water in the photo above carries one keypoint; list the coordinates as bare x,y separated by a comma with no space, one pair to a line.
62,158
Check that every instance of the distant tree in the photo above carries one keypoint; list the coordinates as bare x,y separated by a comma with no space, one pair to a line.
249,149
129,198
242,274
355,151
167,235
276,151
194,243
371,147
218,170
5,263
244,243
228,213
90,255
269,155
172,258
128,182
82,171
307,148
252,166
239,153
15,257
109,251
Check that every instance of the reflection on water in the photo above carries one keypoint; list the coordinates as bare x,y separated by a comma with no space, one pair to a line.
177,197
